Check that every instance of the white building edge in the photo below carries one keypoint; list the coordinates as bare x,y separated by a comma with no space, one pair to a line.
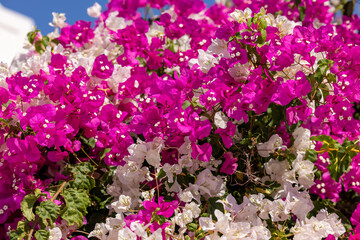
13,32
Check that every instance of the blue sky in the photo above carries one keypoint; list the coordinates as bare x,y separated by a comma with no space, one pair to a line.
40,10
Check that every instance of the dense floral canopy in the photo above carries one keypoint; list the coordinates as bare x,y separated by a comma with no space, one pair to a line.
235,121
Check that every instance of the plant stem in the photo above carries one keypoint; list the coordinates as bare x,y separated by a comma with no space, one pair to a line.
89,157
58,191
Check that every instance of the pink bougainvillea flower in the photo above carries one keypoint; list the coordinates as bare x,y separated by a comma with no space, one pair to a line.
81,33
102,68
230,164
327,188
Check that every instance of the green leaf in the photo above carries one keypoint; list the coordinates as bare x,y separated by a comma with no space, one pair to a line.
311,155
82,180
297,2
301,13
186,104
104,152
262,39
334,170
192,227
48,211
32,35
328,141
292,128
27,205
340,155
107,177
42,234
83,167
5,122
72,215
92,142
255,19
39,47
277,113
195,102
45,41
77,202
325,90
100,197
331,77
263,24
184,180
161,219
205,214
21,231
200,234
55,41
249,22
213,205
323,66
232,38
325,62
171,46
76,198
7,104
161,174
15,236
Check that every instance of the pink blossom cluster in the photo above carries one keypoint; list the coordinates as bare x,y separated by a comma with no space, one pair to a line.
179,108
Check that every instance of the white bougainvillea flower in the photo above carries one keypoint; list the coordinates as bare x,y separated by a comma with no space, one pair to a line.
94,11
275,142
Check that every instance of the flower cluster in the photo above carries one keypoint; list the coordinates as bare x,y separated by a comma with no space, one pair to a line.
229,122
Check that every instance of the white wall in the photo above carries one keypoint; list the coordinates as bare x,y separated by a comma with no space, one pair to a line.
13,29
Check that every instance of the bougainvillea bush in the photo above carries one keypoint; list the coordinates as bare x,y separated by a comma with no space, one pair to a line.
171,120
